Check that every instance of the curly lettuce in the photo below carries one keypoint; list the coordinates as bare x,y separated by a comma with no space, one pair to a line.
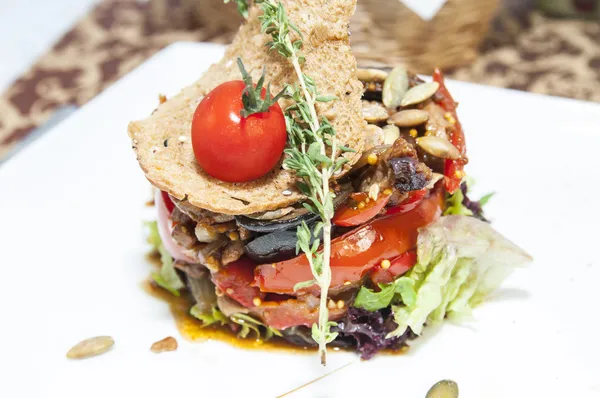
460,260
402,289
167,277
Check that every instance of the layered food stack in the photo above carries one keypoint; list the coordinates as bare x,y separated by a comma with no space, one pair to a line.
303,197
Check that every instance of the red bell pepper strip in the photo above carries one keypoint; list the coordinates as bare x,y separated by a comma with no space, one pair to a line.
412,201
453,169
351,213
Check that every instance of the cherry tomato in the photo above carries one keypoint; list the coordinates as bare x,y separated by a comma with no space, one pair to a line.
453,169
356,252
413,200
398,266
234,280
230,147
358,210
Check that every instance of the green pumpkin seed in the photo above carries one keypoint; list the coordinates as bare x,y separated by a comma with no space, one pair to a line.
391,134
374,112
438,147
374,136
395,87
409,118
420,93
371,75
91,347
443,389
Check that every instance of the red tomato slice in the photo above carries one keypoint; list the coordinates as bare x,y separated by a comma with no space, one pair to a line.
235,281
399,266
355,253
453,169
413,200
359,210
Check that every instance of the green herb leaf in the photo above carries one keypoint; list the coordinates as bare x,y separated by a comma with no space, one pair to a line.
307,154
486,198
326,98
305,284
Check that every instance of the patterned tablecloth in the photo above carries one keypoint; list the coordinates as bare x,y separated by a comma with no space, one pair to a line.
556,57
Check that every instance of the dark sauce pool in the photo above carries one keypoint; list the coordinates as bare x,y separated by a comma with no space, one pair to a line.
192,329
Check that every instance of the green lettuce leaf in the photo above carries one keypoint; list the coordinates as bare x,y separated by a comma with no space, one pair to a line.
167,277
455,206
460,260
402,289
251,325
209,318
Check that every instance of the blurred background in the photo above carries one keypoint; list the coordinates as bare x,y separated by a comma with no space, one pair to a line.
57,55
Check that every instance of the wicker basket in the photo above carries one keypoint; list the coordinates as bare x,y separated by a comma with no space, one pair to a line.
386,32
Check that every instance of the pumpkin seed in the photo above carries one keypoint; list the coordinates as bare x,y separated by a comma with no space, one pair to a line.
371,75
374,136
374,112
409,118
166,344
374,191
443,389
438,147
91,347
420,93
391,134
395,87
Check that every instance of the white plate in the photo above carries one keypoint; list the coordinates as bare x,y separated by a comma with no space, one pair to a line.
72,257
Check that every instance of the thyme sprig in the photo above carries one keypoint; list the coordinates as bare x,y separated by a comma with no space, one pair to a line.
313,154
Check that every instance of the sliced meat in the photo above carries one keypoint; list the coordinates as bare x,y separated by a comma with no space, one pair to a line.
179,217
230,307
200,215
293,312
232,252
397,167
184,236
191,270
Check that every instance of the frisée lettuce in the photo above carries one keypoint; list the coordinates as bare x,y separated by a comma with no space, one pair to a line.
167,277
460,260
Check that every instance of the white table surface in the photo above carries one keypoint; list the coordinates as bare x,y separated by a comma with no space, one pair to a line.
28,28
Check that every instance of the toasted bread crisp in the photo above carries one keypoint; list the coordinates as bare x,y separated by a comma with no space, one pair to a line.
162,142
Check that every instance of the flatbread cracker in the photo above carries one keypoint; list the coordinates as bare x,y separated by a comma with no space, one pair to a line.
329,61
